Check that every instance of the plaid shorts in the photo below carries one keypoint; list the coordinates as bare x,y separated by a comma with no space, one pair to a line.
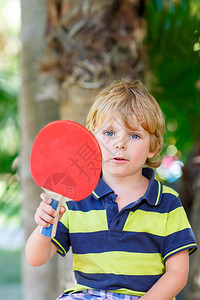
96,295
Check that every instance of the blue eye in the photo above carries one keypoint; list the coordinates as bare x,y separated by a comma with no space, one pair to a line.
108,133
134,136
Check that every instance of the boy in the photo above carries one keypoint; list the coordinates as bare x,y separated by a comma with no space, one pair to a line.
130,238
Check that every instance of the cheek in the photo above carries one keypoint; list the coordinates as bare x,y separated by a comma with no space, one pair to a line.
105,152
105,145
102,146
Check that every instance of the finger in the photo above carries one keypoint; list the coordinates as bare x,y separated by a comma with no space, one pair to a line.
47,208
42,218
46,198
46,212
40,221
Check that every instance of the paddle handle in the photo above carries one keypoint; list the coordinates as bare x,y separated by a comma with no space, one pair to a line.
51,230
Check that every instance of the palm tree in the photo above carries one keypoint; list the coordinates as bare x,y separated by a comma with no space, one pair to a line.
87,43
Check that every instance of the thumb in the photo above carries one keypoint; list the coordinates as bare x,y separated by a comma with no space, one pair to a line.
62,211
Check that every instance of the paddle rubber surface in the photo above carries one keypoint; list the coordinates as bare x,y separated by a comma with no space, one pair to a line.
66,159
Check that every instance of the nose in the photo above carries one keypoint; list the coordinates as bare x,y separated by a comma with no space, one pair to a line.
120,145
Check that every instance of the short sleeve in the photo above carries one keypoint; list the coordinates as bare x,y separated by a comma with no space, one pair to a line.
61,240
179,235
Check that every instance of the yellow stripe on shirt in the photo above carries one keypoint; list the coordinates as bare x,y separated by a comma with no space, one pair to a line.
91,221
119,263
146,221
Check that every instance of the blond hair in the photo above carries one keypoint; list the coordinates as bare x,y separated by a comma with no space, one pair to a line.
130,100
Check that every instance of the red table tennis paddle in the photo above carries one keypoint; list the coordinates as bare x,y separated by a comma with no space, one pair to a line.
66,162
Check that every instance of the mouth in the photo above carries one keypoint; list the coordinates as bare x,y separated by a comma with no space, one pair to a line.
119,159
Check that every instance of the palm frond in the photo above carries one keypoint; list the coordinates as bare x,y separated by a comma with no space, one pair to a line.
172,31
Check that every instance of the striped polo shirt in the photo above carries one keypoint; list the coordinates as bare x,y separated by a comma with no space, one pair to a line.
124,251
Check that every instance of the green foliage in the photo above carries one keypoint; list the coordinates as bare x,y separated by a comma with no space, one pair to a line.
172,32
9,148
10,267
9,129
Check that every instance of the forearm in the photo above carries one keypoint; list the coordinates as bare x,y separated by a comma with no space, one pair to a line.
173,281
39,248
167,287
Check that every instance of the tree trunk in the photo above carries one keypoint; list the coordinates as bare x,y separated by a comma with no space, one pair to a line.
192,290
35,111
77,103
38,107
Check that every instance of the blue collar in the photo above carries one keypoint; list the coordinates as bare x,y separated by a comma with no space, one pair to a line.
153,193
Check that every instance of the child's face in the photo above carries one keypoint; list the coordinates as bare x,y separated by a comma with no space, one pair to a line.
124,151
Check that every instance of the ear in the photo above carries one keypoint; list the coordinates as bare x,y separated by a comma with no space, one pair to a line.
151,154
154,153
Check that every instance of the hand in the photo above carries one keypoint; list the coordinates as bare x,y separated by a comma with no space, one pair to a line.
45,214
